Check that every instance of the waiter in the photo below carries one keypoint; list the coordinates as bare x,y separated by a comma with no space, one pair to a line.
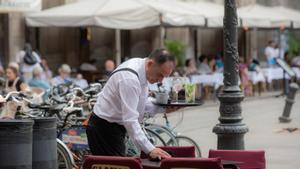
121,105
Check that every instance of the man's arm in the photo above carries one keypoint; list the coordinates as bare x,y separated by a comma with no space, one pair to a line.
129,93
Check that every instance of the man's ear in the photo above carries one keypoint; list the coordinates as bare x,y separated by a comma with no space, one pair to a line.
150,62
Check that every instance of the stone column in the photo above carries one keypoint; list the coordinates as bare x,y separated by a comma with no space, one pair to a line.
16,34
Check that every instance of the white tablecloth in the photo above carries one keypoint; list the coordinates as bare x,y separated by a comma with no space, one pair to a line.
271,74
277,73
215,79
256,77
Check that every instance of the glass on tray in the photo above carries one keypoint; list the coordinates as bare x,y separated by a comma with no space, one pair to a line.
190,90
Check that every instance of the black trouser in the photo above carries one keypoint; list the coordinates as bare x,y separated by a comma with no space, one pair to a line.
105,138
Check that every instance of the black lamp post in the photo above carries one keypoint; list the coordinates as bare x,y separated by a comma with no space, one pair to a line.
230,130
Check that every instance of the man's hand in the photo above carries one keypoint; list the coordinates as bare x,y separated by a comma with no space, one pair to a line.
158,153
170,109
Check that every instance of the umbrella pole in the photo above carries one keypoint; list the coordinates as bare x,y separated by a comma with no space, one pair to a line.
161,33
118,46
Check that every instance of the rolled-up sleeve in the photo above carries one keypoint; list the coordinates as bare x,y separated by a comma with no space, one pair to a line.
129,93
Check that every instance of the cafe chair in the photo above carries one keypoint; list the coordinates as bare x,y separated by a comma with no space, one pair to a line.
176,151
247,159
100,162
191,163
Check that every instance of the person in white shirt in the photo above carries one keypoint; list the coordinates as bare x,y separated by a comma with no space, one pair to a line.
271,53
27,67
121,105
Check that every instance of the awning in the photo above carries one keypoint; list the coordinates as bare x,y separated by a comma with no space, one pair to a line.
115,14
293,15
262,16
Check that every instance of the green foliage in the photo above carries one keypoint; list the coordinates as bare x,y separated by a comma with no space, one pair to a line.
294,46
177,49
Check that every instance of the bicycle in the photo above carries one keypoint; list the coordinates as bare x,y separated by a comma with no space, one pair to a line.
181,140
153,137
64,155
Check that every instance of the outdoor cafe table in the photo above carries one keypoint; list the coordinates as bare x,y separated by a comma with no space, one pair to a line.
208,79
156,164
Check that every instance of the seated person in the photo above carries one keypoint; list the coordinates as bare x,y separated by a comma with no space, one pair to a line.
109,68
14,82
47,73
190,67
204,67
80,81
244,75
259,77
37,80
219,63
63,77
212,64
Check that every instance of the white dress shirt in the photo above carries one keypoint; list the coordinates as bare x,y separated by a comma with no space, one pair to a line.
124,100
271,52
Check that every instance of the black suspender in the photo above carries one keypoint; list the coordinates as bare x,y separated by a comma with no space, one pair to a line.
124,69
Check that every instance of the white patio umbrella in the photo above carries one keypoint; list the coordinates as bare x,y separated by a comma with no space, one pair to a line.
125,14
262,16
291,14
177,13
213,12
115,14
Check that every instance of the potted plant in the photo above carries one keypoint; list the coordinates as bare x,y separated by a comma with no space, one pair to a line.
294,47
177,49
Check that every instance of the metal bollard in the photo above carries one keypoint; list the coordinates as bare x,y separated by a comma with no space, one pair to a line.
285,118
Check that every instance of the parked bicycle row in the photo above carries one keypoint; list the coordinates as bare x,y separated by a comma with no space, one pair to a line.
71,106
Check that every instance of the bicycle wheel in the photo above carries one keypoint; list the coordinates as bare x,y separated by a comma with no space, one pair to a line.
64,156
165,133
79,155
153,137
186,141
